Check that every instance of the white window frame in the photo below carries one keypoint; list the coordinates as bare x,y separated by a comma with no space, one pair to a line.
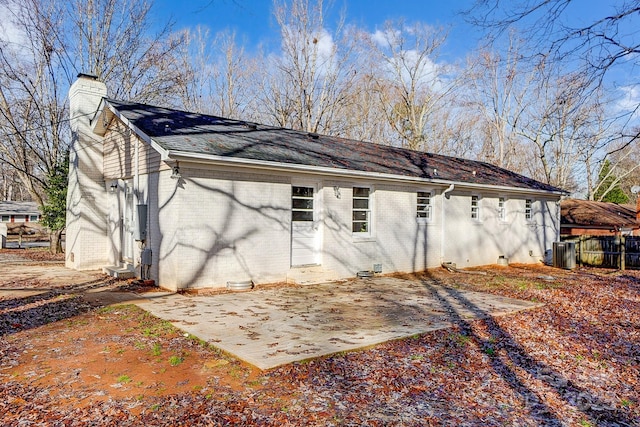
368,211
528,209
502,208
33,218
476,208
300,209
5,218
427,208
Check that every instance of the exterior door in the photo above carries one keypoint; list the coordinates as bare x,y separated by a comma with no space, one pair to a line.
304,226
127,224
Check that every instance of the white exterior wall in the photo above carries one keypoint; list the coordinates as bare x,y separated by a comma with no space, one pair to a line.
214,226
86,230
470,242
210,227
398,240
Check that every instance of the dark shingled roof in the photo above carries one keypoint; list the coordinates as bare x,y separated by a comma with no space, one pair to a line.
9,207
176,130
587,213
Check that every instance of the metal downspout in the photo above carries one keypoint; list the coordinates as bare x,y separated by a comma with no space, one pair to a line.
444,216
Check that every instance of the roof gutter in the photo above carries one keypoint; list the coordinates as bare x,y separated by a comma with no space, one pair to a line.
170,155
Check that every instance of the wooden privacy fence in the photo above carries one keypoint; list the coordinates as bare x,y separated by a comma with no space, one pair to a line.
607,251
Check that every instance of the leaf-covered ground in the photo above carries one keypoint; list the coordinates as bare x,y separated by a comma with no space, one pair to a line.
573,361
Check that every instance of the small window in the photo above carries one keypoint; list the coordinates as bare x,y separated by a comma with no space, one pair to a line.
302,203
527,209
33,218
5,218
502,212
475,207
423,210
361,216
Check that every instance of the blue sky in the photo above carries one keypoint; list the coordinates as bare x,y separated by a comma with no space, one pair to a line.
252,19
254,24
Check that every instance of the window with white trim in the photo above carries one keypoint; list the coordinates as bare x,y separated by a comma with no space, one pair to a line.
528,215
33,218
5,218
475,208
361,213
502,210
423,206
302,204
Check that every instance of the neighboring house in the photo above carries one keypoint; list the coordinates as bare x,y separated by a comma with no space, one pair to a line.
198,201
11,211
586,217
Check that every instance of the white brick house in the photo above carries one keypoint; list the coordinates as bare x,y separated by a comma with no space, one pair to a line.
225,200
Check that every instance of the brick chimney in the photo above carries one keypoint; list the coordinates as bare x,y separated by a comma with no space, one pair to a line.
86,232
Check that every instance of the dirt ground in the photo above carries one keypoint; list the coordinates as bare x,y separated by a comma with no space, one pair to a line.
69,358
89,342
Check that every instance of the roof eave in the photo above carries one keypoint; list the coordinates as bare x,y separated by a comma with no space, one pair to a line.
337,172
106,113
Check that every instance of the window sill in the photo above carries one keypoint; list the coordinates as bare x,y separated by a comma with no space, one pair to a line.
361,239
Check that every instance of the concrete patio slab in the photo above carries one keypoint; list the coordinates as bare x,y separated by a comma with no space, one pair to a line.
272,327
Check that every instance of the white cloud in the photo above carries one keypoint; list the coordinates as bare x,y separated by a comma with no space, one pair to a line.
386,38
321,48
629,102
9,32
406,57
326,45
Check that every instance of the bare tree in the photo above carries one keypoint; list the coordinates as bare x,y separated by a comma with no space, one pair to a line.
307,82
111,39
219,77
561,124
410,84
594,47
497,83
233,81
49,43
10,186
363,119
195,58
32,102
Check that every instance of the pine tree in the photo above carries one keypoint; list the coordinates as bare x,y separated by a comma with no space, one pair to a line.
54,210
609,189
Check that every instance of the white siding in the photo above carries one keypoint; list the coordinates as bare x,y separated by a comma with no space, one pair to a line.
120,150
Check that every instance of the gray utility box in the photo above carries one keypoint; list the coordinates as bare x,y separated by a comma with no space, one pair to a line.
564,255
140,230
145,257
